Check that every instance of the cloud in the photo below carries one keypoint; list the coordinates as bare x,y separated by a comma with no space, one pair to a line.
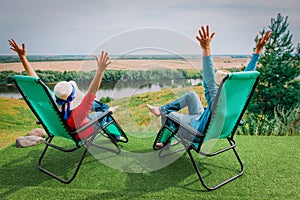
74,26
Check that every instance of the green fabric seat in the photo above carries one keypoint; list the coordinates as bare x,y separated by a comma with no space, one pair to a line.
232,99
41,103
39,99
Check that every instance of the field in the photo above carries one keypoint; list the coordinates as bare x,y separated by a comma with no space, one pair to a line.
220,62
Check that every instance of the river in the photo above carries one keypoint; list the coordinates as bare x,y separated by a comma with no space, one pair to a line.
116,90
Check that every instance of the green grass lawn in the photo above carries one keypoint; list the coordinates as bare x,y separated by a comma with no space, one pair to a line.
271,164
271,172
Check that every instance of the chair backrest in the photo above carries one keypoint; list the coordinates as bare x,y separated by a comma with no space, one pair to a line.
39,98
233,97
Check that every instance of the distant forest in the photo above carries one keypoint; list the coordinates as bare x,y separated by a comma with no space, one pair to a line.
45,58
49,76
42,58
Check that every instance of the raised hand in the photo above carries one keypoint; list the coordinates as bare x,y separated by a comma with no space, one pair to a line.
15,47
22,55
205,38
103,61
261,42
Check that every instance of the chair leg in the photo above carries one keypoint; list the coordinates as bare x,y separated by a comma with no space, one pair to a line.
105,129
222,183
54,175
110,137
117,150
168,146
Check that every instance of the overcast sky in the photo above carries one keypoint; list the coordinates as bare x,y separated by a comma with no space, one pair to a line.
58,27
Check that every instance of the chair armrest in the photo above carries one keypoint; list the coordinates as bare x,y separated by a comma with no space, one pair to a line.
187,127
92,122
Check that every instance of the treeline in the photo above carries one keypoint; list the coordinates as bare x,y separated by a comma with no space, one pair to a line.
44,58
49,76
38,58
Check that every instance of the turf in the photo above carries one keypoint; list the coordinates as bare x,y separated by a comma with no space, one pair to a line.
271,163
271,172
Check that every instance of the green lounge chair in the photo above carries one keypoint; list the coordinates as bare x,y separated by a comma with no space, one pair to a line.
232,99
39,98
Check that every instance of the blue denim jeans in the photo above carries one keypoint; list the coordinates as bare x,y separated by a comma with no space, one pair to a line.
99,108
190,100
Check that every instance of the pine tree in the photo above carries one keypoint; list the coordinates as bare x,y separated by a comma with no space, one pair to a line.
279,68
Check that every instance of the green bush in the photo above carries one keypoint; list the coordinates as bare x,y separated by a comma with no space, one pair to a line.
283,122
106,99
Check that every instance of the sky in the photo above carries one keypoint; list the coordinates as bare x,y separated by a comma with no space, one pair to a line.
64,27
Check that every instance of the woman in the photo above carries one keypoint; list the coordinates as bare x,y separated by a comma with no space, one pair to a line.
74,105
198,116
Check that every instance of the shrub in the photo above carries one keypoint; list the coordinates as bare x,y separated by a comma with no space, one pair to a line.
283,122
106,99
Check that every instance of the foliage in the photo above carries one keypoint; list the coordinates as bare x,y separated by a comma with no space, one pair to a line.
106,99
5,76
49,76
43,58
286,122
279,68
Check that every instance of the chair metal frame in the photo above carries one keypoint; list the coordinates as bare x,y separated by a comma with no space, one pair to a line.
86,142
175,126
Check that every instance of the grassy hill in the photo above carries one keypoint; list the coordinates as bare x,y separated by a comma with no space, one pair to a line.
271,163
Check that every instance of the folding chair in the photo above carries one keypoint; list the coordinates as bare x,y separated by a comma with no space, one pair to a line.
39,98
232,99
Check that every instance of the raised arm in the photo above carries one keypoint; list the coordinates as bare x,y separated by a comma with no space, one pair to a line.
208,71
102,63
22,55
205,39
261,42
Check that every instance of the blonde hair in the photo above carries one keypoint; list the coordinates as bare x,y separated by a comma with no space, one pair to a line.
220,75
